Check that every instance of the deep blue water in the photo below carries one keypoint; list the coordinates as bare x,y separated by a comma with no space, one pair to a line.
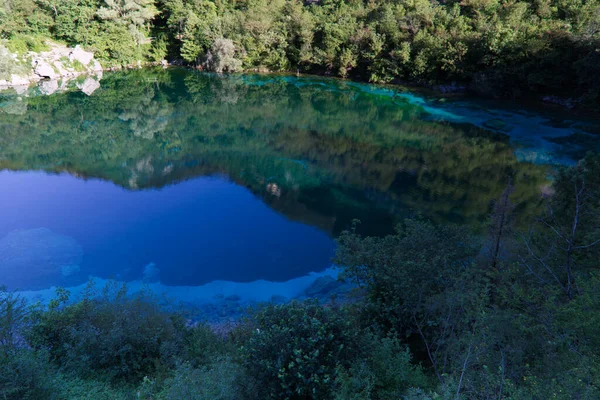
197,231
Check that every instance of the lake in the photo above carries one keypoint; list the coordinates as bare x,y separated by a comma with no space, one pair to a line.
209,186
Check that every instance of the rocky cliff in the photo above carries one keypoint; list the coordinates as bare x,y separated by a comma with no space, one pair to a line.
52,69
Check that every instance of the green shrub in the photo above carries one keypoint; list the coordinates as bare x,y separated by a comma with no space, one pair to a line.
110,336
26,374
296,348
386,373
202,345
21,44
74,388
218,381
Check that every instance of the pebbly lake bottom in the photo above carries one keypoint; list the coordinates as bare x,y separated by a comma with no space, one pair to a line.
216,301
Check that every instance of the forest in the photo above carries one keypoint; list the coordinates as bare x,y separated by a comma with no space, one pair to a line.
438,313
501,48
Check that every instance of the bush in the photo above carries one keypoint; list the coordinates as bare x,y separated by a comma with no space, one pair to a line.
202,346
111,336
21,44
296,348
221,57
26,374
219,381
386,373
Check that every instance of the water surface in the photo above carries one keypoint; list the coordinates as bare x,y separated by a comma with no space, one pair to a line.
188,178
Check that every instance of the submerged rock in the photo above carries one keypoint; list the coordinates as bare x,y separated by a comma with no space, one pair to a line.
151,273
37,258
322,286
497,124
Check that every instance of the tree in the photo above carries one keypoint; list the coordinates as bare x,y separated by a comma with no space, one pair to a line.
134,14
564,244
421,283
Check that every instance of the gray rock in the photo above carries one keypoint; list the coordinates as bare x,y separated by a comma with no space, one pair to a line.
89,86
22,89
62,70
16,80
48,87
97,67
78,54
37,258
44,70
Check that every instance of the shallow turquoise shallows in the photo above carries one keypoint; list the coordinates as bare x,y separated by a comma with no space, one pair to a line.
239,184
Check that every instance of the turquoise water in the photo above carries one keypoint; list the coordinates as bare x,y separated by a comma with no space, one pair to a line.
210,186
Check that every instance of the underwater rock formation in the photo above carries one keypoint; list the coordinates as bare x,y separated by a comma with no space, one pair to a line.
37,258
151,273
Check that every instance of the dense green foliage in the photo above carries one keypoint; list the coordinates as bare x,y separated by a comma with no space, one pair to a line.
519,323
498,47
442,317
298,347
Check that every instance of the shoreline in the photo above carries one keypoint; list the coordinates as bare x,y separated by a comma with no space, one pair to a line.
214,301
42,75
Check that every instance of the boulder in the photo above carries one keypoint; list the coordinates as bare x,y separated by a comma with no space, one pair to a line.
16,80
37,258
78,54
44,70
89,86
62,70
97,67
48,87
22,89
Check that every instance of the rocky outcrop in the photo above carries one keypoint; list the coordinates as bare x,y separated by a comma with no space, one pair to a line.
52,68
44,70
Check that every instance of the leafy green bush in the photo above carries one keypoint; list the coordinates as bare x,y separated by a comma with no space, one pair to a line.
202,345
110,336
218,381
26,375
296,348
386,372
